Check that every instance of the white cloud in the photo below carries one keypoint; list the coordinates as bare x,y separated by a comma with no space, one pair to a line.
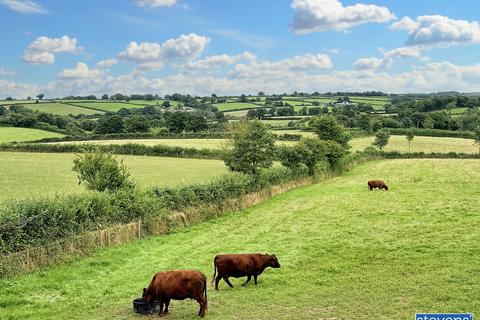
4,72
368,63
323,15
297,64
41,51
373,63
218,61
406,23
185,46
107,63
143,52
18,90
151,55
155,3
438,31
80,71
27,7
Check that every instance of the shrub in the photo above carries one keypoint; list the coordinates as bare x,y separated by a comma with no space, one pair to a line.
381,138
101,171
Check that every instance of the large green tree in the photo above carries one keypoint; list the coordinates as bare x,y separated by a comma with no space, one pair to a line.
328,128
251,147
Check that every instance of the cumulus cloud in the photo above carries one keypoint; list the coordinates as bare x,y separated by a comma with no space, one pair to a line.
146,54
218,61
27,7
155,3
373,63
323,15
107,63
80,71
297,64
41,51
438,31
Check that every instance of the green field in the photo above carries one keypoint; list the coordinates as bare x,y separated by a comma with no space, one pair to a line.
225,107
345,253
302,133
184,143
10,134
109,106
424,144
39,174
60,109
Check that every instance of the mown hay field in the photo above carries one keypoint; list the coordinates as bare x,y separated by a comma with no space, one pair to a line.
420,144
27,175
345,253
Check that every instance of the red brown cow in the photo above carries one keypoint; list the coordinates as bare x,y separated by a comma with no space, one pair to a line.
372,184
242,265
177,285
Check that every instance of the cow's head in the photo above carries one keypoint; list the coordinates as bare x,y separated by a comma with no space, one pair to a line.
385,187
274,261
147,296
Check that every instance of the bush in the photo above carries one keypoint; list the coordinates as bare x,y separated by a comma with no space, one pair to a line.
101,171
252,148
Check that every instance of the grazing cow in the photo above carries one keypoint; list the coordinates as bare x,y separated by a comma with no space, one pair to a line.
241,265
372,184
177,285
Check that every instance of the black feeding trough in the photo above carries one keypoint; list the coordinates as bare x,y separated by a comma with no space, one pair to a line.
142,307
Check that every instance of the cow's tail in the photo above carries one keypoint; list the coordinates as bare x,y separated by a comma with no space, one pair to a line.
205,291
214,269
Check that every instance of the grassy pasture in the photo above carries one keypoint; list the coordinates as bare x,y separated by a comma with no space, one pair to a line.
109,106
10,134
425,144
345,253
60,109
232,106
40,174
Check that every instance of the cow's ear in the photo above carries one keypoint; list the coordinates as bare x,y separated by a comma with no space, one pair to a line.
274,256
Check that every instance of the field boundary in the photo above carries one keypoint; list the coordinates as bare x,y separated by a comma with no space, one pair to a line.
65,250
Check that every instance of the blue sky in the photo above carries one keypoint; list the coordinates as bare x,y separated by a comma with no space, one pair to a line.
230,47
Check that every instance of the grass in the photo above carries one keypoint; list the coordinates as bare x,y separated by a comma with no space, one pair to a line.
185,143
225,107
308,134
60,109
109,106
425,144
26,175
10,134
345,253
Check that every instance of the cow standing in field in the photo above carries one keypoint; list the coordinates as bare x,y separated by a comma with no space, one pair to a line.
242,265
177,285
372,184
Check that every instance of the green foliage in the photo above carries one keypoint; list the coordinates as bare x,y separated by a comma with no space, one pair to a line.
381,138
428,122
109,124
101,171
137,123
409,136
476,138
252,148
328,128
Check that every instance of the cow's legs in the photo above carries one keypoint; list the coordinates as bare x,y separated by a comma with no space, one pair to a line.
160,303
255,279
248,280
217,280
228,282
167,302
203,305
